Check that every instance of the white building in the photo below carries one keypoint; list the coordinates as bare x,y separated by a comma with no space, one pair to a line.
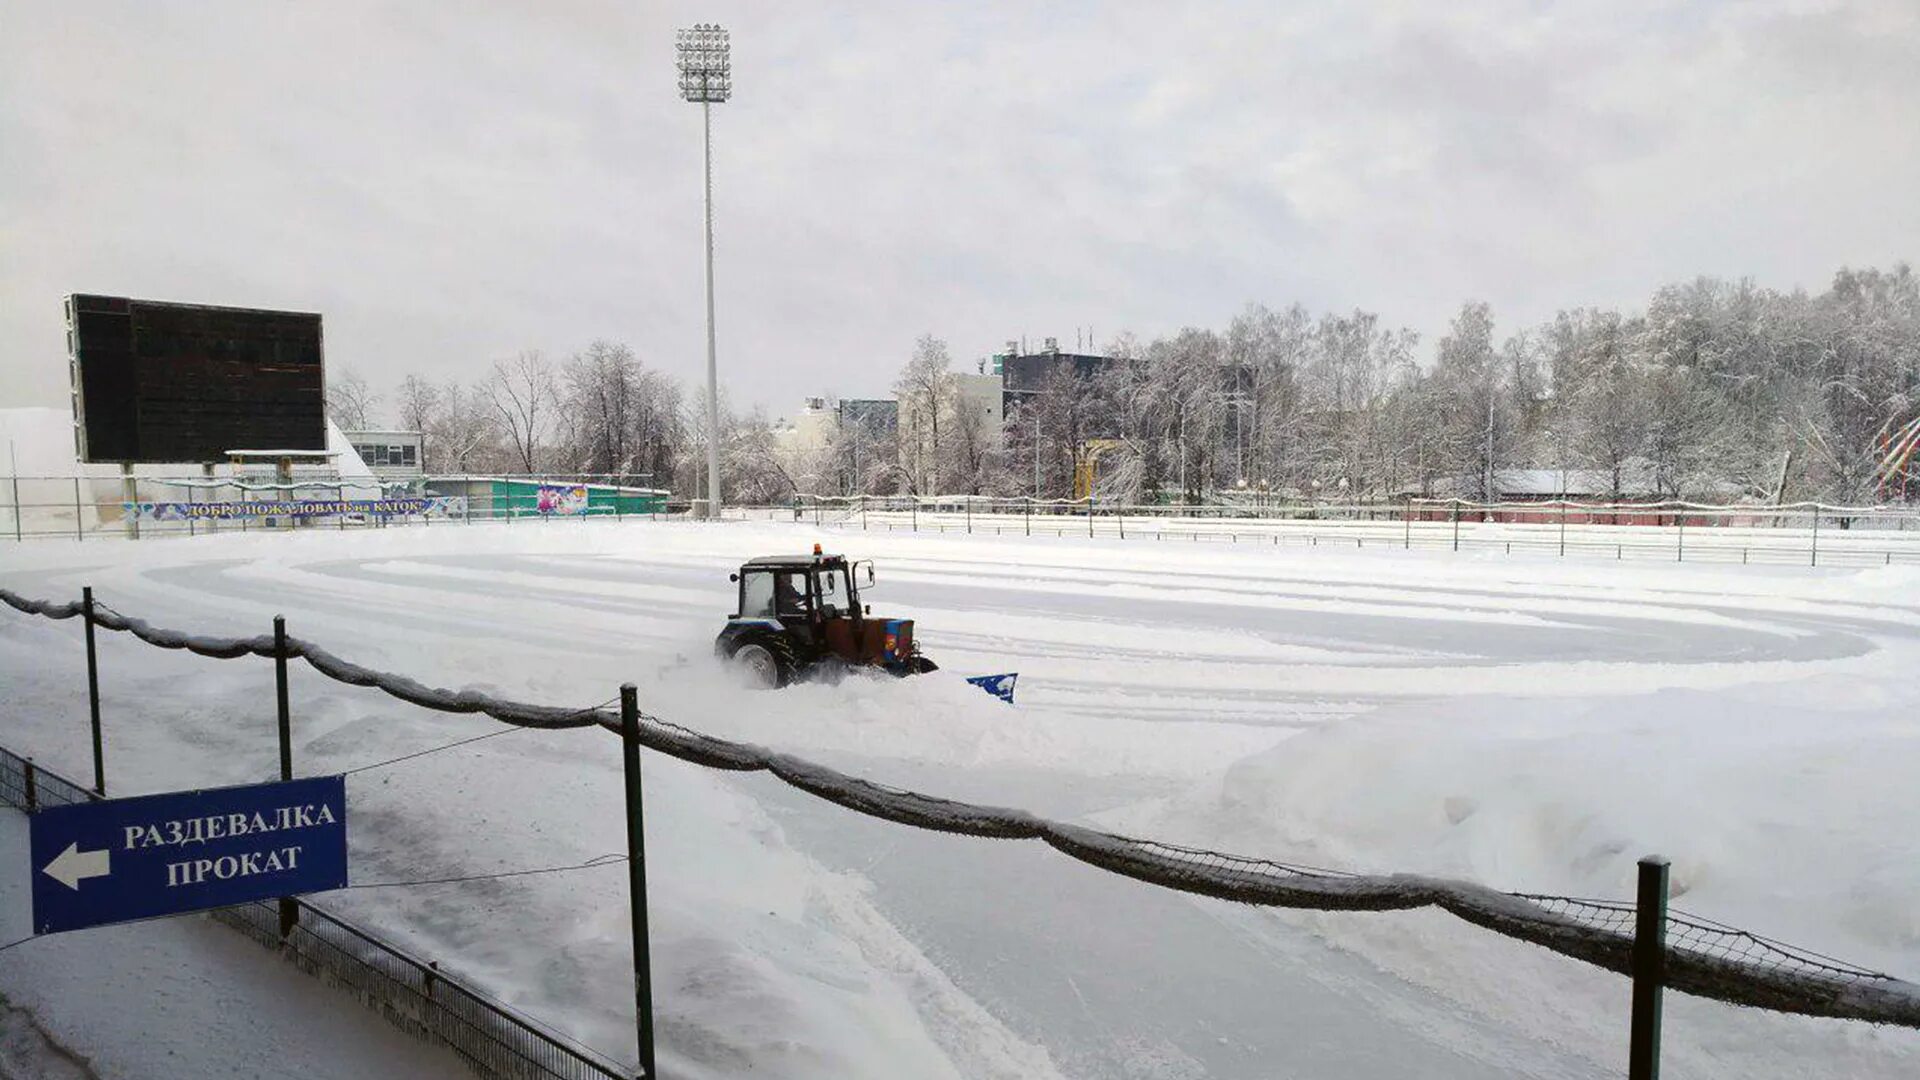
391,455
983,394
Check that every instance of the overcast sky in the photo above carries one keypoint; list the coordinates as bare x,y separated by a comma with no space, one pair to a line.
452,183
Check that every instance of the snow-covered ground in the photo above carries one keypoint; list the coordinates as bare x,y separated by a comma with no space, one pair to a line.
1524,721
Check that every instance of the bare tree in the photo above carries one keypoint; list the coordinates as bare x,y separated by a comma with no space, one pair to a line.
465,430
619,418
973,455
350,401
418,404
524,394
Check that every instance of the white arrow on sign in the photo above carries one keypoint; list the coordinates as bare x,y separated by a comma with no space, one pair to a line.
73,866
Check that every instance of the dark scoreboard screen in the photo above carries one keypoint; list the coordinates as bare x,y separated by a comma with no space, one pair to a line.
159,382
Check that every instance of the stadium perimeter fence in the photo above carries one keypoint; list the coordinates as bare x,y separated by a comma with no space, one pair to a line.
1814,534
1642,939
89,508
1817,534
495,1040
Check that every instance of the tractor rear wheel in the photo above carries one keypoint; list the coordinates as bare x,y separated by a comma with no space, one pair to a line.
758,666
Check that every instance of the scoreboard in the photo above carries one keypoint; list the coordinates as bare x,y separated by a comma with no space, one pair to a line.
162,382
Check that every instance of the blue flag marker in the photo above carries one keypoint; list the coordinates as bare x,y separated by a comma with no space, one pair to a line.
1000,686
122,859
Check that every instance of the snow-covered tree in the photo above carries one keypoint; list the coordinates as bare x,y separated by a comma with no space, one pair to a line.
928,396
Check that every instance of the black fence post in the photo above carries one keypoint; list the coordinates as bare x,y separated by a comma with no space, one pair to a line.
637,875
33,794
1815,559
1649,969
289,910
1456,526
93,692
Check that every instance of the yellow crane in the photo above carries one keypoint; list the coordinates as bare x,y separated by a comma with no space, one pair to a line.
1085,461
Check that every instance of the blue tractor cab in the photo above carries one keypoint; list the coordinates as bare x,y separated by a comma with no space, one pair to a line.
798,613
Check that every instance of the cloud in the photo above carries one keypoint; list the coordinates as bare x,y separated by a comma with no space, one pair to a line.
450,186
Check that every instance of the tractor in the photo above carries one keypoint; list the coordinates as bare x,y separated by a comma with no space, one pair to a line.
799,614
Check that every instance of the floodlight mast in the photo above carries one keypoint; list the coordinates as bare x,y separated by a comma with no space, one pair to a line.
706,77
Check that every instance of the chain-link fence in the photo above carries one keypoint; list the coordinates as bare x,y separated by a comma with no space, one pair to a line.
496,1041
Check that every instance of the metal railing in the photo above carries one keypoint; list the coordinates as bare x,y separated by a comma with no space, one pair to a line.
414,996
1799,534
496,1041
26,786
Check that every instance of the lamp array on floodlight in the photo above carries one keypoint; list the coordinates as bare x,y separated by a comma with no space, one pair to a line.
706,63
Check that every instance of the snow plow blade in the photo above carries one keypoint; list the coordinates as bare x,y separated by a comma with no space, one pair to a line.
1000,686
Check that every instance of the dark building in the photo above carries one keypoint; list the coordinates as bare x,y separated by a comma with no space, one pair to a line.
880,417
1025,374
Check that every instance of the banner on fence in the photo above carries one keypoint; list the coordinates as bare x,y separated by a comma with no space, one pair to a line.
563,499
115,860
432,505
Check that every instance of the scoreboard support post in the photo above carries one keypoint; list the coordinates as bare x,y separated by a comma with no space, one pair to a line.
130,493
206,472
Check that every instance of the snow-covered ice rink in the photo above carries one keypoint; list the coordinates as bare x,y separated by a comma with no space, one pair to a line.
1533,724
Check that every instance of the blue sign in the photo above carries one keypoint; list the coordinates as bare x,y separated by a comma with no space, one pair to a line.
430,505
122,859
1000,686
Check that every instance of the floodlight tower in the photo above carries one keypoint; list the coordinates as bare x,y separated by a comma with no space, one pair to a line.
706,77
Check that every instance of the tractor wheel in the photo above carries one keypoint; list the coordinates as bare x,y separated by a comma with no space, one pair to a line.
758,666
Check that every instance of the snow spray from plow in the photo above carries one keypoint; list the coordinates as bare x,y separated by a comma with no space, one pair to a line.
1659,948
